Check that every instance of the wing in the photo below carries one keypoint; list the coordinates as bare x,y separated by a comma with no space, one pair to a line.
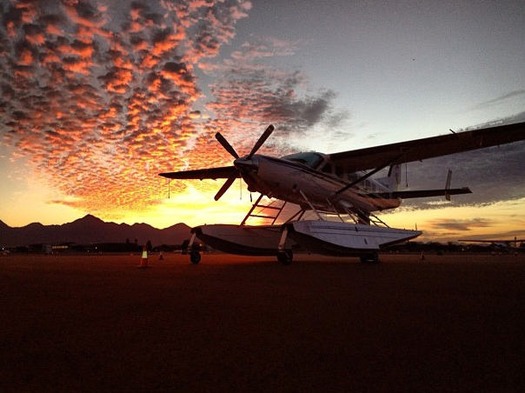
419,149
224,172
423,193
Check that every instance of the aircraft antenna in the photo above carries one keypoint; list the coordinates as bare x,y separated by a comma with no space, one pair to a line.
240,188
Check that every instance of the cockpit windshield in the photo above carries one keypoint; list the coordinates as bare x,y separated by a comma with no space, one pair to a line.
310,159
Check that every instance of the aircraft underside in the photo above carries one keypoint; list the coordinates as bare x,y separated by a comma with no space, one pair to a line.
311,236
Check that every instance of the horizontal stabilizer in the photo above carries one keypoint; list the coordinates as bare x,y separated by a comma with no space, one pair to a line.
225,172
423,193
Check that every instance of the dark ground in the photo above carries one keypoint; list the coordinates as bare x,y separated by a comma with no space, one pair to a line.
234,324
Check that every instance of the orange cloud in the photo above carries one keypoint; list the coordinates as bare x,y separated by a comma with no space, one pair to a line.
25,58
115,101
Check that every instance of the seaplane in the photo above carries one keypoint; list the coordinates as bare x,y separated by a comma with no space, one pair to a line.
344,191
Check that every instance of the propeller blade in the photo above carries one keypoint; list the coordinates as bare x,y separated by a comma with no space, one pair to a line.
225,187
222,140
261,140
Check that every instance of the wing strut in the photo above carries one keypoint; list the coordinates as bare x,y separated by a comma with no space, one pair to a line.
447,184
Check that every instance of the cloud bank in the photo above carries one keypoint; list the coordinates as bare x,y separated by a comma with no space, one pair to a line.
494,174
100,96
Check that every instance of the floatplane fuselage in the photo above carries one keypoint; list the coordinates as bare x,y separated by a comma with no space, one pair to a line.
300,179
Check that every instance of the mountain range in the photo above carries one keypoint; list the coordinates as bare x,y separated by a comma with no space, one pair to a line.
89,230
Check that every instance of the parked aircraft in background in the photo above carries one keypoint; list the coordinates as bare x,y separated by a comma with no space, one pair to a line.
501,245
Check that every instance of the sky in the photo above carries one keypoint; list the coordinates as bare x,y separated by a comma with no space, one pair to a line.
98,97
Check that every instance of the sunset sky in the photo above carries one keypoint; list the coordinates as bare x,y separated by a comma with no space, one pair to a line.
98,97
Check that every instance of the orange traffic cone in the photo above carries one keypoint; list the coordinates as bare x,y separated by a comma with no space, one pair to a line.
144,259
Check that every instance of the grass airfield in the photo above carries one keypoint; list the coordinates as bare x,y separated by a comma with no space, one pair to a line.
248,324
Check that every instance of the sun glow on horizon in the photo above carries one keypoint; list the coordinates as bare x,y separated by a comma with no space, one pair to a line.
195,206
453,222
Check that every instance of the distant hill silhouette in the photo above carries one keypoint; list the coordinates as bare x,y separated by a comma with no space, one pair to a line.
90,229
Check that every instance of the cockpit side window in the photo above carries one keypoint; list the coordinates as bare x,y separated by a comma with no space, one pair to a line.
327,168
335,170
310,159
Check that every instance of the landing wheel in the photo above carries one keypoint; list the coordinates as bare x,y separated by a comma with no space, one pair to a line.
195,257
285,257
370,258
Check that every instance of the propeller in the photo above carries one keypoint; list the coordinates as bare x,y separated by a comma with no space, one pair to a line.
225,186
222,140
229,148
261,140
